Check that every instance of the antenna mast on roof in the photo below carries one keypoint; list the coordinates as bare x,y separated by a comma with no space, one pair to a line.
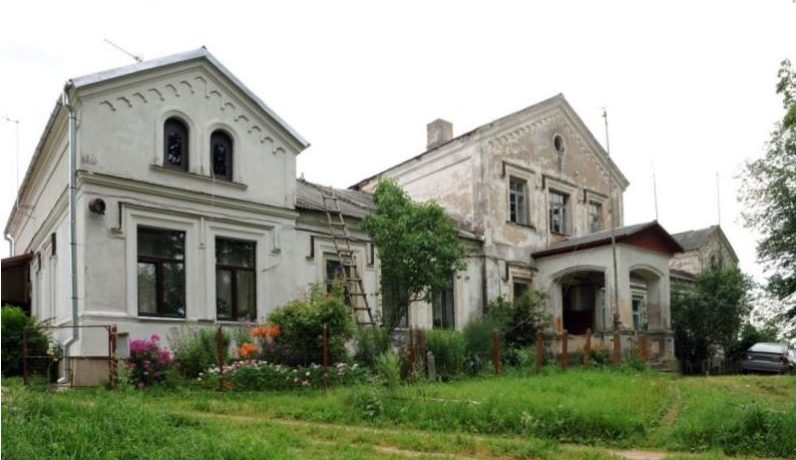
16,170
613,227
718,199
654,190
137,58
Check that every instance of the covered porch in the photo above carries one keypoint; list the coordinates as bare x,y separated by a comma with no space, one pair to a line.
600,288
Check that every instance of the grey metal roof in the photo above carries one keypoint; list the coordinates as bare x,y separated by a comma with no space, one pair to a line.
694,239
353,203
179,58
604,237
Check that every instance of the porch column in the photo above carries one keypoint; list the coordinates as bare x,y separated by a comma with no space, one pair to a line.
625,302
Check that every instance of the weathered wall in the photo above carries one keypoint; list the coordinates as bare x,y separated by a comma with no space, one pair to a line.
714,253
121,134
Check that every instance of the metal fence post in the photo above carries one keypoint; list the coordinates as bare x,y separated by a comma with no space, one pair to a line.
325,355
220,352
587,349
539,351
496,350
564,349
642,347
617,348
25,355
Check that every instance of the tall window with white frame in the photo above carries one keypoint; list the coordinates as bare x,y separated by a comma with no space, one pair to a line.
236,286
518,201
161,272
442,308
595,216
558,212
221,150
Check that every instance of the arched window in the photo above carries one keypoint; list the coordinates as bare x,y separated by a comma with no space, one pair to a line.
175,144
221,155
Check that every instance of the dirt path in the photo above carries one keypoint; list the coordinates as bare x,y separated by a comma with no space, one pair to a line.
630,454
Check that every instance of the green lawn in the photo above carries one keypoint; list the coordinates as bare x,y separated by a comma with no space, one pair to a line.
573,414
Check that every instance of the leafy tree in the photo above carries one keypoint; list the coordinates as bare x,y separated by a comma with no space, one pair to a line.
519,320
711,311
769,193
419,248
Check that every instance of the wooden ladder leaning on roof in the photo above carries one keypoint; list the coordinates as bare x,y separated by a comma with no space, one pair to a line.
354,288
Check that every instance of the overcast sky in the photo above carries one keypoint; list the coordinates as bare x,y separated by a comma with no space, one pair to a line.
689,86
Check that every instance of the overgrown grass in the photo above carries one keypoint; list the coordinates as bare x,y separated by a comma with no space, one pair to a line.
739,415
533,414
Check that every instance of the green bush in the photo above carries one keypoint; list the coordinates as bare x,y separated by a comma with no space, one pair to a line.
519,320
478,342
388,369
14,320
371,342
194,350
301,327
450,351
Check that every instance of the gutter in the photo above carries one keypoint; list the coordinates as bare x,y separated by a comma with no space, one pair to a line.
67,104
11,244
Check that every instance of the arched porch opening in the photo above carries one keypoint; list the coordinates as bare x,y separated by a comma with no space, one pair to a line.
582,301
646,286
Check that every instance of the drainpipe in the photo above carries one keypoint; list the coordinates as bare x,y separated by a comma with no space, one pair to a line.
72,229
11,244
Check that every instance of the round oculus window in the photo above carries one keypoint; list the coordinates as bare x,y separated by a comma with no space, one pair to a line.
558,143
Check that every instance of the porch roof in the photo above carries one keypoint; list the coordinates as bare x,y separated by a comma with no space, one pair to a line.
649,235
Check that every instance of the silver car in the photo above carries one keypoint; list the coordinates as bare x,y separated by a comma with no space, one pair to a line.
769,357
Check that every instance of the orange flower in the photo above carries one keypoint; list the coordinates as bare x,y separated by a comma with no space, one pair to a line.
265,332
246,350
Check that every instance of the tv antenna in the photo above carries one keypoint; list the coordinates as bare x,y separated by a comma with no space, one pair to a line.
616,320
137,58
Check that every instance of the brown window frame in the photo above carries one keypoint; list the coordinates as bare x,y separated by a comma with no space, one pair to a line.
158,262
234,270
439,308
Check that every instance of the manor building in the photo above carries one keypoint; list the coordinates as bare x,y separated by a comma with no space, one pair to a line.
187,211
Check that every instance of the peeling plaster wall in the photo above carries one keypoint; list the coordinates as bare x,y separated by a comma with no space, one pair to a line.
699,260
469,176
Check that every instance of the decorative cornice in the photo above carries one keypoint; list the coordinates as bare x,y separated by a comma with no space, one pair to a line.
179,86
191,196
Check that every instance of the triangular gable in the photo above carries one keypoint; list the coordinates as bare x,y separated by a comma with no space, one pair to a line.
514,120
200,54
650,235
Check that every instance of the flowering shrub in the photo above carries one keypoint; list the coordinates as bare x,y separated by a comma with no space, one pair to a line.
257,375
300,327
148,362
265,331
247,350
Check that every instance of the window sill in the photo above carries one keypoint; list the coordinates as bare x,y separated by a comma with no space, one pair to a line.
528,226
160,318
565,235
232,322
201,177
